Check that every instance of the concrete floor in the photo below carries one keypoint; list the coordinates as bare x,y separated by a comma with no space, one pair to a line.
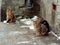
13,34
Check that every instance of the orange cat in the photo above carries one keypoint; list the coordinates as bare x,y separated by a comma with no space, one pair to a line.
10,16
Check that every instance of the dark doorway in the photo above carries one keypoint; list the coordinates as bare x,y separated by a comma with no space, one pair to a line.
3,14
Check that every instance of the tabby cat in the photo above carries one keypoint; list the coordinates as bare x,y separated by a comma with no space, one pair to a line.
41,27
10,16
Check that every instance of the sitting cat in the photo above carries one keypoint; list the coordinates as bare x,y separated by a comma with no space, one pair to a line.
10,17
41,27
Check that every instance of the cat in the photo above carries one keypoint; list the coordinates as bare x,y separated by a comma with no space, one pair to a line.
41,27
10,17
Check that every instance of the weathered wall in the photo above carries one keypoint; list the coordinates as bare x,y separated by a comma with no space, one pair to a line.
57,18
47,10
49,16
